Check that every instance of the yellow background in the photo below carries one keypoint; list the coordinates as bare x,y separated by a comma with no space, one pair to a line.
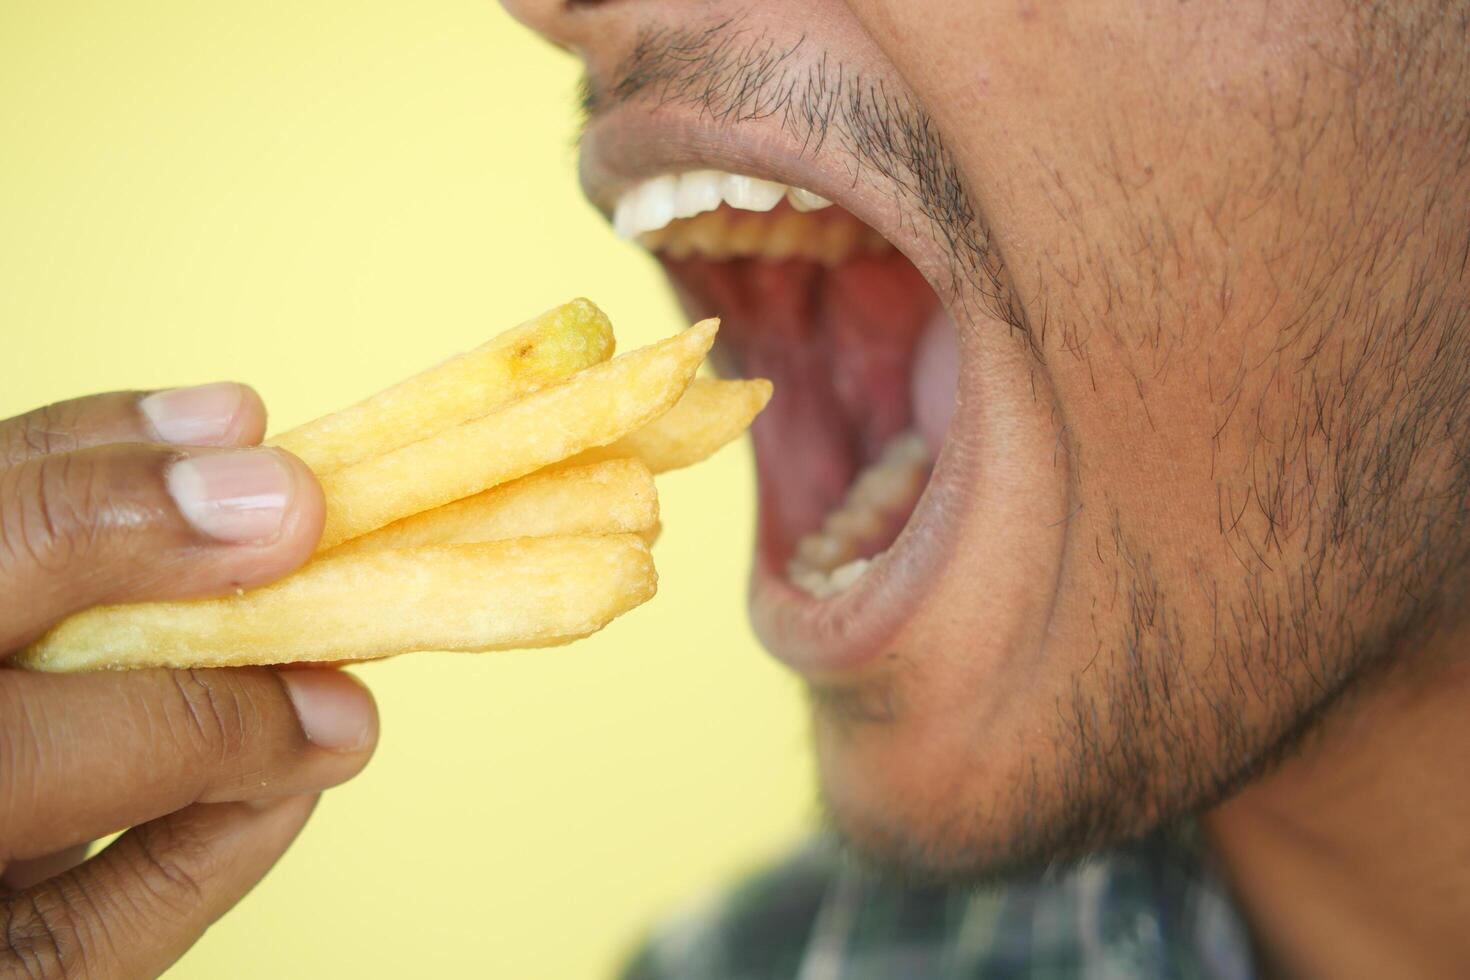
317,196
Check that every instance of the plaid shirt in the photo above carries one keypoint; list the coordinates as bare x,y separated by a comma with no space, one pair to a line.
1149,909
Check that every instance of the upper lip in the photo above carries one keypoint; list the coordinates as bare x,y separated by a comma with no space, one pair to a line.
827,638
629,144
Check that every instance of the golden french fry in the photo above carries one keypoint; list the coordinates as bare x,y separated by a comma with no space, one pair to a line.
612,497
710,414
522,360
591,408
472,597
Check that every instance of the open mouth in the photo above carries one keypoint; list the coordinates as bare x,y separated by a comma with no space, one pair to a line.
861,350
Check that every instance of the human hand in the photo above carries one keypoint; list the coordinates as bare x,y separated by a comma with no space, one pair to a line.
123,498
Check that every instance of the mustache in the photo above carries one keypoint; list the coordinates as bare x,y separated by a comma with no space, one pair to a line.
733,74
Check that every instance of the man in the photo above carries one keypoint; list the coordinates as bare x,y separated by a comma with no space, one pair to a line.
1174,297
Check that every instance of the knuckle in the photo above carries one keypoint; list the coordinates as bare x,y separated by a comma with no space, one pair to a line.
49,429
172,865
219,717
39,938
25,745
50,511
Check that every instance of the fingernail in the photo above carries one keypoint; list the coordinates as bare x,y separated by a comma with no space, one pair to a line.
335,709
199,416
233,497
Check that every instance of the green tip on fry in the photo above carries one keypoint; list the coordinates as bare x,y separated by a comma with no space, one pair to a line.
523,360
591,408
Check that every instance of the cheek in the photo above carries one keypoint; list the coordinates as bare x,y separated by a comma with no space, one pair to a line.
1116,149
1139,170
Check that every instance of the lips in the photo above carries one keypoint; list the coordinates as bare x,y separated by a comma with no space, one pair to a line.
824,286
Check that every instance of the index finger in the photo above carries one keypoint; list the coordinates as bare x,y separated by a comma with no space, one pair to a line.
219,414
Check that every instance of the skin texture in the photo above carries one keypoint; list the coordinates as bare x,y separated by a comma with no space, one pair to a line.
1208,263
214,771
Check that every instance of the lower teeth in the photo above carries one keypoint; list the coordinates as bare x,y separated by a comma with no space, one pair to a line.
831,560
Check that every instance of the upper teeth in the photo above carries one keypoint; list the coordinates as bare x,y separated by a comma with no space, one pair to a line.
655,203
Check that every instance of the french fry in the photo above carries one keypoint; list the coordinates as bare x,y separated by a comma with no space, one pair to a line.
710,414
376,603
612,497
592,408
518,362
502,499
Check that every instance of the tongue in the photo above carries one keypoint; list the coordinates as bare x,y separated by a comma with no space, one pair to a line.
935,380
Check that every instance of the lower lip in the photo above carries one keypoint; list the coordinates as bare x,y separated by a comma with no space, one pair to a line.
833,639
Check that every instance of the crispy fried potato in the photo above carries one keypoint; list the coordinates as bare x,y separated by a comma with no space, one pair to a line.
612,497
472,597
591,408
710,414
518,362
